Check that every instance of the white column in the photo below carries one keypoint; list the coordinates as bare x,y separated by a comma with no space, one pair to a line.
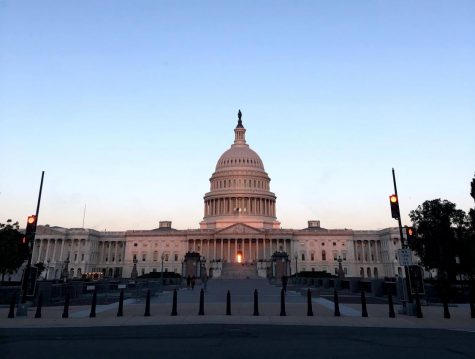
264,250
40,250
229,250
61,251
214,249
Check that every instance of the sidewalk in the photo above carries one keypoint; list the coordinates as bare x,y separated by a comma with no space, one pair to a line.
241,309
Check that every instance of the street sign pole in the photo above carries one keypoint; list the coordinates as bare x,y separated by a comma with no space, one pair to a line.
404,246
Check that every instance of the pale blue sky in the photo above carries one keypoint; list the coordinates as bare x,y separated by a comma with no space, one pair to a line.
127,106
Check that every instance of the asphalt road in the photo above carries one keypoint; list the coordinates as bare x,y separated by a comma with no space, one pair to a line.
235,341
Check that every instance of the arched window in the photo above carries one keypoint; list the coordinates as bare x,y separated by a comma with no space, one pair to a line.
155,256
324,255
361,272
375,272
368,272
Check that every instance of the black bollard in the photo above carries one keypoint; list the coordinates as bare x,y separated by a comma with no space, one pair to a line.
472,303
392,314
228,303
282,303
147,305
256,303
39,304
120,311
11,312
446,310
418,307
446,304
174,309
364,311
337,305
93,305
309,303
66,304
202,302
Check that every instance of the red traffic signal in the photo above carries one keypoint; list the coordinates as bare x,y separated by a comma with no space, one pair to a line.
394,202
30,226
410,234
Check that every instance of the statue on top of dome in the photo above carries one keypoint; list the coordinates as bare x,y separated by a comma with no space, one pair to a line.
239,125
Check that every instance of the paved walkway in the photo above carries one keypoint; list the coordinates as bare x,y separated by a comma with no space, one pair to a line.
242,310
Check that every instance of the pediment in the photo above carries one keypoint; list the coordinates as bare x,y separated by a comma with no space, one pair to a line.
239,228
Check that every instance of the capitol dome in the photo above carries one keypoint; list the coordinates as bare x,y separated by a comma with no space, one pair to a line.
239,188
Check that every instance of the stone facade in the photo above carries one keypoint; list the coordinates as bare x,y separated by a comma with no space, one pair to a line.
239,226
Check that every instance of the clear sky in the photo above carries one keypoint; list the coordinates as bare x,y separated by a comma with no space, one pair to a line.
127,106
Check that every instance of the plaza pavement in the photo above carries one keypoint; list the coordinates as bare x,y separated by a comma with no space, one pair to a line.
241,310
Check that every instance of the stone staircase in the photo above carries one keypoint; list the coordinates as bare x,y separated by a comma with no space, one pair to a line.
239,271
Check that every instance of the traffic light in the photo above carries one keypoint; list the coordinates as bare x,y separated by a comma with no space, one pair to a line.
410,235
24,245
394,202
30,231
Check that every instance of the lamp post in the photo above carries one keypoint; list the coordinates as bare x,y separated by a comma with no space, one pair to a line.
47,269
66,270
341,273
296,256
161,273
134,273
182,266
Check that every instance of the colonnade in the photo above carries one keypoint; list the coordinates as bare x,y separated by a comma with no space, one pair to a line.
367,251
234,205
250,249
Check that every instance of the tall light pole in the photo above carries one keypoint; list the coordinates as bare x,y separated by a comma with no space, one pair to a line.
296,256
161,273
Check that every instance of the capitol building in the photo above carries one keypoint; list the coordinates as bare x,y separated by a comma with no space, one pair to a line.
239,228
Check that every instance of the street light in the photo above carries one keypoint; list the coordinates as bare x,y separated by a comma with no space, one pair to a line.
296,256
66,270
47,269
161,273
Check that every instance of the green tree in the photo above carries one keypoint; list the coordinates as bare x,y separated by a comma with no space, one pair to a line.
10,256
467,252
441,229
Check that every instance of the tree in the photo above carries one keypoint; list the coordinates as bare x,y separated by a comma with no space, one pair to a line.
467,253
10,255
441,229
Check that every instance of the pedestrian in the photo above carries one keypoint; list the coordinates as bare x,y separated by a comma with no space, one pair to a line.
193,282
188,281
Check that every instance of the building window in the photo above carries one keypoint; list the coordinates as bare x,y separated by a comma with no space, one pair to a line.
166,257
324,256
334,244
312,256
303,256
135,244
343,255
155,256
82,257
144,257
76,257
176,257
